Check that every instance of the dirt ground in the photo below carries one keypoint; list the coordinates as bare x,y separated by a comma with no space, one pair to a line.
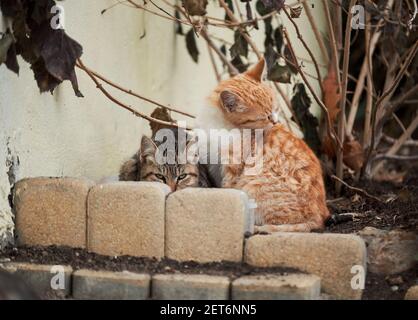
81,259
397,208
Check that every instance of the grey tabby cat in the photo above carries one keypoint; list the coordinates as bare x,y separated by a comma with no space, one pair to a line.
143,166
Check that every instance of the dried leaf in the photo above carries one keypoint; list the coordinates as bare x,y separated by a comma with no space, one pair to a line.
192,46
51,53
59,53
195,7
223,49
278,38
160,114
46,82
10,8
179,25
279,73
290,60
41,11
8,52
353,155
275,71
24,44
331,93
268,32
249,11
11,61
328,147
301,104
273,4
295,12
239,64
240,46
5,43
262,9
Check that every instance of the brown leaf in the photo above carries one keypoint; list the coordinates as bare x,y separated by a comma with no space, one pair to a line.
273,4
328,147
331,93
301,104
296,12
160,114
195,7
59,53
191,45
5,43
11,61
353,155
10,8
46,81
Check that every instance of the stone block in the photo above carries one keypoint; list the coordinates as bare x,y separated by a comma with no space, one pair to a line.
51,211
127,218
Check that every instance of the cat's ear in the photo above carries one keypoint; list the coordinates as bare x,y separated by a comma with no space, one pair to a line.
148,149
231,102
258,72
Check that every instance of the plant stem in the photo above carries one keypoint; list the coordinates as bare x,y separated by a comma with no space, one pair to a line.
316,31
344,83
119,103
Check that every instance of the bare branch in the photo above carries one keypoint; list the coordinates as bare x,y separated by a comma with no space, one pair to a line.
130,92
398,144
344,83
119,103
363,192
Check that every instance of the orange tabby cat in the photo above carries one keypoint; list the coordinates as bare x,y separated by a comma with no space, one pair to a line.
289,190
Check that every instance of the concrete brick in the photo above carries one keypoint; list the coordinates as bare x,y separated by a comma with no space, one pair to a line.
206,225
95,285
51,211
412,293
189,287
273,287
329,256
127,218
46,281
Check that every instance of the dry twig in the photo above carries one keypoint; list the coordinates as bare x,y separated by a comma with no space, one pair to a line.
119,103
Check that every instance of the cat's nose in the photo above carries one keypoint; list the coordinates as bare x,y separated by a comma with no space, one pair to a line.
274,117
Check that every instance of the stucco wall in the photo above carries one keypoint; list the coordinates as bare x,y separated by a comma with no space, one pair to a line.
62,135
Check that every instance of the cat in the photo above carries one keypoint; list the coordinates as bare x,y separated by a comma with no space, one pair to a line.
289,190
143,165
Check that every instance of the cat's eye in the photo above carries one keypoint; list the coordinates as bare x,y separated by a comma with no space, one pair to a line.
181,177
160,176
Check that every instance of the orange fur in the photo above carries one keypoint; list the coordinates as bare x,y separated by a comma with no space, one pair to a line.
289,191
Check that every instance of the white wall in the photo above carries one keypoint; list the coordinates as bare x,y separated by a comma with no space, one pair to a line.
62,135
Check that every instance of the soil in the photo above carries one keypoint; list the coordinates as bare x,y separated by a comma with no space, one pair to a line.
81,259
398,208
389,287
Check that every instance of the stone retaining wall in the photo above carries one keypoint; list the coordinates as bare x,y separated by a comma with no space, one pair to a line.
96,285
203,225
